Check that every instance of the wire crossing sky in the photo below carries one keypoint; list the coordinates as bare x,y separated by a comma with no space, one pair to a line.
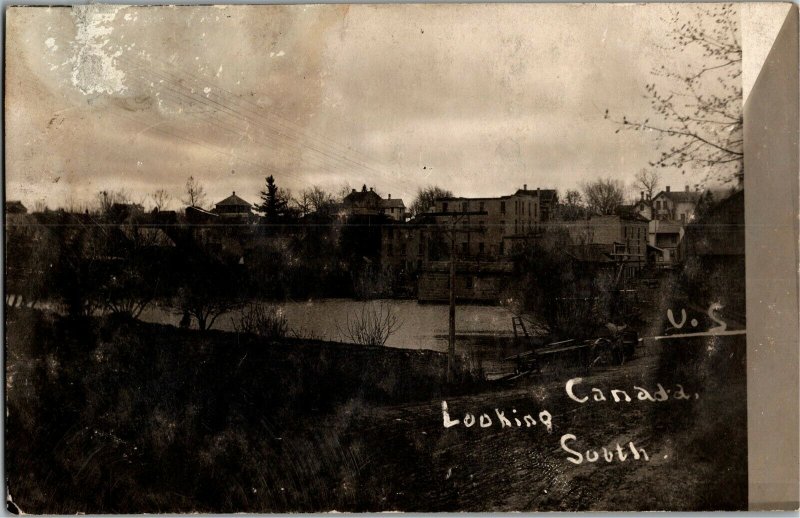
479,99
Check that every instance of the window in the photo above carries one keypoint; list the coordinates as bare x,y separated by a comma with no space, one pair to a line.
468,282
465,248
481,206
502,207
480,248
389,250
444,207
421,248
482,226
683,217
463,206
502,247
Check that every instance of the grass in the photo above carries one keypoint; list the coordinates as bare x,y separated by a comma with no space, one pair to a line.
115,415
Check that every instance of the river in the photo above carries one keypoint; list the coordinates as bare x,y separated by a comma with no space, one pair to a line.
421,326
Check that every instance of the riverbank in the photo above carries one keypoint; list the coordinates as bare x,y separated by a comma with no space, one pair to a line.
114,415
159,411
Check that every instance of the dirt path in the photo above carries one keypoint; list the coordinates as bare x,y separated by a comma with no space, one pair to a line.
411,462
434,468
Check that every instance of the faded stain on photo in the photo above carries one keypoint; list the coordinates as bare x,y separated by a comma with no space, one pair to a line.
370,258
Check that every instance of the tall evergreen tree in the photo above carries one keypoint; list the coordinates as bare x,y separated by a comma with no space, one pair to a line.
273,204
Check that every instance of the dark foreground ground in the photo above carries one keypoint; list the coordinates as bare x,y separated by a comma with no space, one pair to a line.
114,415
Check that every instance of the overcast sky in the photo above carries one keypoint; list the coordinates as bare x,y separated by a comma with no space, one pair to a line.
479,99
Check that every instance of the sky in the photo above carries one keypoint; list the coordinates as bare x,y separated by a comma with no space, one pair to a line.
477,99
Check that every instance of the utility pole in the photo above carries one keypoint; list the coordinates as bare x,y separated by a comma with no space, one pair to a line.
455,217
451,336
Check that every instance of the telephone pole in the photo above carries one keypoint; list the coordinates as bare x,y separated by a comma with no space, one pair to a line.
454,217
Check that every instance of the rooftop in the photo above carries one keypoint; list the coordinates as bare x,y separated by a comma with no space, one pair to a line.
393,202
233,201
685,196
543,193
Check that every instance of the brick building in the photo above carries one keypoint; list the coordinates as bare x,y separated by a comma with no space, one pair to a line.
507,219
620,238
416,252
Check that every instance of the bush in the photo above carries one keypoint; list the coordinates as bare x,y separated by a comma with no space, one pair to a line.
373,325
263,320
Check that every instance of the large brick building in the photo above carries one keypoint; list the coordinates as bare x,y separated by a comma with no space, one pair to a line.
416,252
508,218
621,239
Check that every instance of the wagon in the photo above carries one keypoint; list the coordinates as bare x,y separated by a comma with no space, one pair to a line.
588,353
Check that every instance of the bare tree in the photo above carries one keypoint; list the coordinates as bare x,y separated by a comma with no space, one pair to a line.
426,197
203,306
303,203
129,291
343,191
647,180
603,195
195,193
263,320
161,199
107,199
697,111
40,206
372,325
318,199
572,206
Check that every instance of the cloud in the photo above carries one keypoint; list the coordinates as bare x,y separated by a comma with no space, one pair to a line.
480,98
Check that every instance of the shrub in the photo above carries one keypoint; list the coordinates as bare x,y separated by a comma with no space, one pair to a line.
263,320
373,325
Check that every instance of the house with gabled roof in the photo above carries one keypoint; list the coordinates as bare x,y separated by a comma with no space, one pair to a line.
672,211
671,205
394,208
370,203
15,207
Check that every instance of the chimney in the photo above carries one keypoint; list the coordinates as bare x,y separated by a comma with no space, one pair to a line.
364,188
354,190
525,187
390,196
234,193
370,189
687,188
667,188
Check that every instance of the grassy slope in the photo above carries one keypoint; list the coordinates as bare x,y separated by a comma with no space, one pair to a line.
116,416
121,416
